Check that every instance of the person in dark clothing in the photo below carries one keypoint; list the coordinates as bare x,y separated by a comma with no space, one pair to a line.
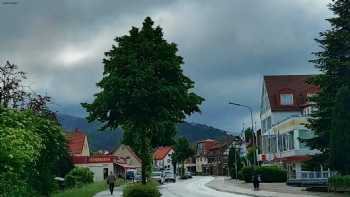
111,181
256,181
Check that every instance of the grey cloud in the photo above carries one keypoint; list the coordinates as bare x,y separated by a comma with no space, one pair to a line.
227,45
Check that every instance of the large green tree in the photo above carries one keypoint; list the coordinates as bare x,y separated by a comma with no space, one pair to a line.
340,133
143,86
334,63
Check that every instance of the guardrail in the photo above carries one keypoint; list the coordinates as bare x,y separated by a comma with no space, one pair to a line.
314,174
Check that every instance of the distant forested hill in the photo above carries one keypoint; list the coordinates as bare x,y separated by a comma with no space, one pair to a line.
108,140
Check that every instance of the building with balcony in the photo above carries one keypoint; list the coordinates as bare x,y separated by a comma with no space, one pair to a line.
284,113
202,149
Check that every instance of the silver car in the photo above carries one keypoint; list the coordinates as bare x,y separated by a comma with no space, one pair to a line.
158,176
170,176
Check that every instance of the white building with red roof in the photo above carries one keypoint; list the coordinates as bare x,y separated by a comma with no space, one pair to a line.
100,165
285,111
162,158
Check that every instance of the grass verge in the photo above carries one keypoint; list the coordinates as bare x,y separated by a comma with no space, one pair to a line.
88,190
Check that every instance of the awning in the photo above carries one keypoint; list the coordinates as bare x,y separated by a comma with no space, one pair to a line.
293,158
126,166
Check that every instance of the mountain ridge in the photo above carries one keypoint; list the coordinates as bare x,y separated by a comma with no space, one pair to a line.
111,139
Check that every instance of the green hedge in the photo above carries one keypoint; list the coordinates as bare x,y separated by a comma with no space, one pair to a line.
140,190
246,174
78,176
268,174
339,182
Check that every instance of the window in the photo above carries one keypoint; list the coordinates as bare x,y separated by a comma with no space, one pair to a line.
286,99
269,123
291,140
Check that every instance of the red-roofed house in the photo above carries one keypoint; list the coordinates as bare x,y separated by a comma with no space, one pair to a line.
284,112
78,143
100,165
162,158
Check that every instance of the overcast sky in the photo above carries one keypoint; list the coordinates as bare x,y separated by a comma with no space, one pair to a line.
227,45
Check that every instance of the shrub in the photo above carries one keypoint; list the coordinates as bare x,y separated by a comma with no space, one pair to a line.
246,174
271,174
268,174
78,176
140,190
339,182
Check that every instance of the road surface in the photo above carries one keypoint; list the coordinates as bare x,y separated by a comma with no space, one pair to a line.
194,187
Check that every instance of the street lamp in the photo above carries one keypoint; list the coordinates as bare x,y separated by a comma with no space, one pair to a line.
251,118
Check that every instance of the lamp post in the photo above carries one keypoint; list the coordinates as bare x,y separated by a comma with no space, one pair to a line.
251,118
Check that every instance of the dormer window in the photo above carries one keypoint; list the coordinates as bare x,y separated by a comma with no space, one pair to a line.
286,99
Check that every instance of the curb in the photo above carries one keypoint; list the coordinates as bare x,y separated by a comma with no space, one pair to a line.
276,194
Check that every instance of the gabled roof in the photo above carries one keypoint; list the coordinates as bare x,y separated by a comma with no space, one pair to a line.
133,153
76,141
296,84
130,150
161,152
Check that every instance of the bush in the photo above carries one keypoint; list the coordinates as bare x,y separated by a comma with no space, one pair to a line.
271,174
140,190
339,182
246,174
79,176
268,174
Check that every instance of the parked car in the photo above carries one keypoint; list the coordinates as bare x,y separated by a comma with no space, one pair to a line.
169,176
130,175
158,176
188,174
138,177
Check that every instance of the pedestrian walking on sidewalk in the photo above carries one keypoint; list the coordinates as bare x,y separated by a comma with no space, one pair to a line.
111,181
256,179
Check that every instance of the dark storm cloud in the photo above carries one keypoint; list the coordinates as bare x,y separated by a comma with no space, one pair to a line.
227,45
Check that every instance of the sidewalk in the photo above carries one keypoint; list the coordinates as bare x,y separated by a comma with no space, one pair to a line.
117,193
266,189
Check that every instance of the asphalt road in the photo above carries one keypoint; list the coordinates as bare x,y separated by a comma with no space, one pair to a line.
194,187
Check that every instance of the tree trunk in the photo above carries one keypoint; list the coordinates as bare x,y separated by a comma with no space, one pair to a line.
183,168
145,167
